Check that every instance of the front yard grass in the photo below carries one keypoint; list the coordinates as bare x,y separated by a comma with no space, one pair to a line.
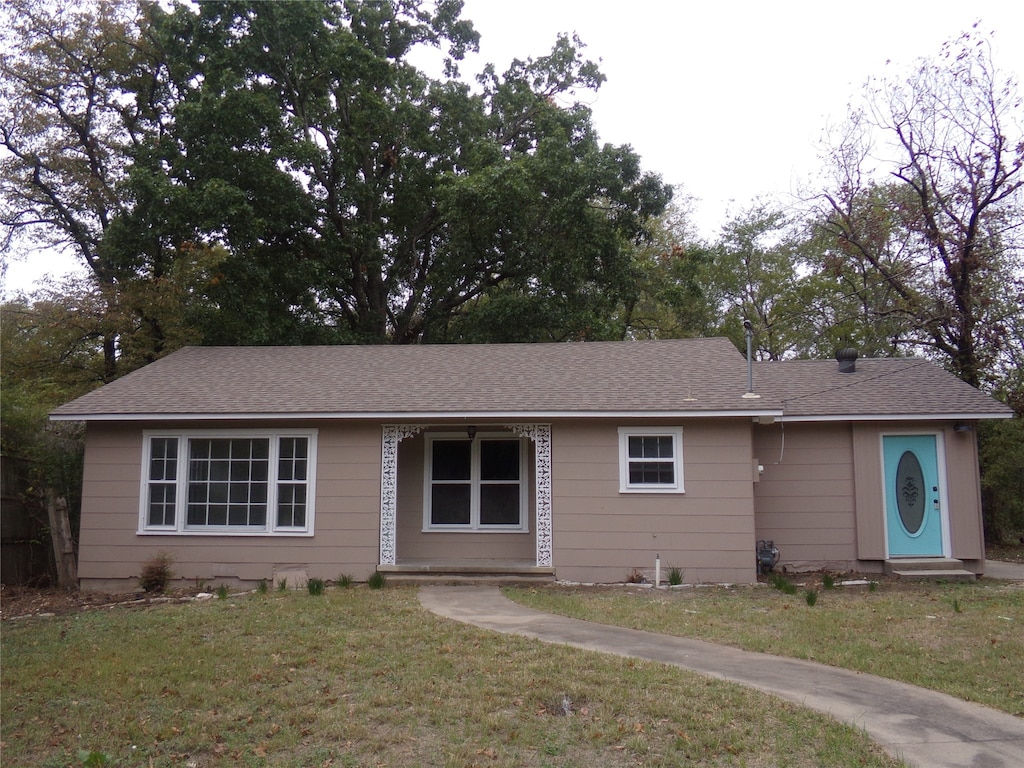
966,640
360,677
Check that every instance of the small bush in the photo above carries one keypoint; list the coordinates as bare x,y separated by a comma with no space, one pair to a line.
957,608
828,581
345,580
282,585
262,587
315,586
675,576
376,580
781,583
157,573
222,592
872,586
811,596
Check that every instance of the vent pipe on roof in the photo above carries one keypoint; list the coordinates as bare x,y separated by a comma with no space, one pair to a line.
847,360
748,331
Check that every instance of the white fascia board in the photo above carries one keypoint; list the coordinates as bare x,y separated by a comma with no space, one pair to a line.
419,416
900,417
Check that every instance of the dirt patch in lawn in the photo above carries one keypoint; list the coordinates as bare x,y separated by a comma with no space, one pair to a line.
25,602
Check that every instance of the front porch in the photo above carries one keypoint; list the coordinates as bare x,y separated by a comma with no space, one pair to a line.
426,535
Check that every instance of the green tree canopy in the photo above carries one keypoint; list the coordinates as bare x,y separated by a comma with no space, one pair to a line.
360,199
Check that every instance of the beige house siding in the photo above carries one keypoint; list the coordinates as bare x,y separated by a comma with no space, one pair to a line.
347,512
867,468
805,496
966,526
820,497
414,544
601,535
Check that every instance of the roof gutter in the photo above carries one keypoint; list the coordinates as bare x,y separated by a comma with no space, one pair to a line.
420,415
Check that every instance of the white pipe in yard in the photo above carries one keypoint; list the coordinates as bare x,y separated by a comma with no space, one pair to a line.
657,570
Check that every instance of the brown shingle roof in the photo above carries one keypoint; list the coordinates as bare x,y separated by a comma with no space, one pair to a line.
685,376
700,375
883,387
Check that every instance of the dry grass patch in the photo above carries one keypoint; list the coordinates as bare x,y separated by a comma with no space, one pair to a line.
358,677
963,639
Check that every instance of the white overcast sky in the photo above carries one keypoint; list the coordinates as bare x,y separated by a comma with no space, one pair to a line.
727,98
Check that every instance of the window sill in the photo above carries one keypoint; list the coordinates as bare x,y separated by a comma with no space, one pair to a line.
231,533
464,529
677,491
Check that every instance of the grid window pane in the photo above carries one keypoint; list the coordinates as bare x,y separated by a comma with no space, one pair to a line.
291,506
161,504
291,464
227,483
651,473
650,447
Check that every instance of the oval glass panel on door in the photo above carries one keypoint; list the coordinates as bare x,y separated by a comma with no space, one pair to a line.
913,503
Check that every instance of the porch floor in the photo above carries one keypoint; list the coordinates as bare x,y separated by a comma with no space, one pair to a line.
426,571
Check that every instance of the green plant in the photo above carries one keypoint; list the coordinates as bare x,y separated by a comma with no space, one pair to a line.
157,573
262,587
828,581
957,608
282,585
675,576
222,592
872,586
811,596
315,586
376,580
781,583
345,580
93,758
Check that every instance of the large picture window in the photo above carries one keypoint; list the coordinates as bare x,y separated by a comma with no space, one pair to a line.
650,460
476,485
234,483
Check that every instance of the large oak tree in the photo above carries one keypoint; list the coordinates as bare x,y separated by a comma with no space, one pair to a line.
361,199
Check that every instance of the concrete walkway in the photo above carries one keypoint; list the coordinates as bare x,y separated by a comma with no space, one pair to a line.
921,727
997,569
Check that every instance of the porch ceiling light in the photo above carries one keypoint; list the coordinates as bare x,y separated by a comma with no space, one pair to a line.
471,431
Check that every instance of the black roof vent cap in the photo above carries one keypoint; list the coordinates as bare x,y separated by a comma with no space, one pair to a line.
847,360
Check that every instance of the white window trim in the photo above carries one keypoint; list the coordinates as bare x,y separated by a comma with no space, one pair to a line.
676,433
181,481
474,525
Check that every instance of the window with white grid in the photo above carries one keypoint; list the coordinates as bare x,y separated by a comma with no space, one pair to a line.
233,483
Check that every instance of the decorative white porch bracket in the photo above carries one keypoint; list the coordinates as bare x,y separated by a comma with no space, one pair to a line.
393,435
540,434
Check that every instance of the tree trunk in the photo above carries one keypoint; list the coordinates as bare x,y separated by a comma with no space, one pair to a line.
63,545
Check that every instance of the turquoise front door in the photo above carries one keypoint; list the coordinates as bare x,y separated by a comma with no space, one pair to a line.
913,503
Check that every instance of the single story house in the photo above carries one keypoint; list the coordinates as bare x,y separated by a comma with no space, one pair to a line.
582,461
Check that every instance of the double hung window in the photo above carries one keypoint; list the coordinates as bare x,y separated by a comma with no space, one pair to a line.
476,485
235,483
650,460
